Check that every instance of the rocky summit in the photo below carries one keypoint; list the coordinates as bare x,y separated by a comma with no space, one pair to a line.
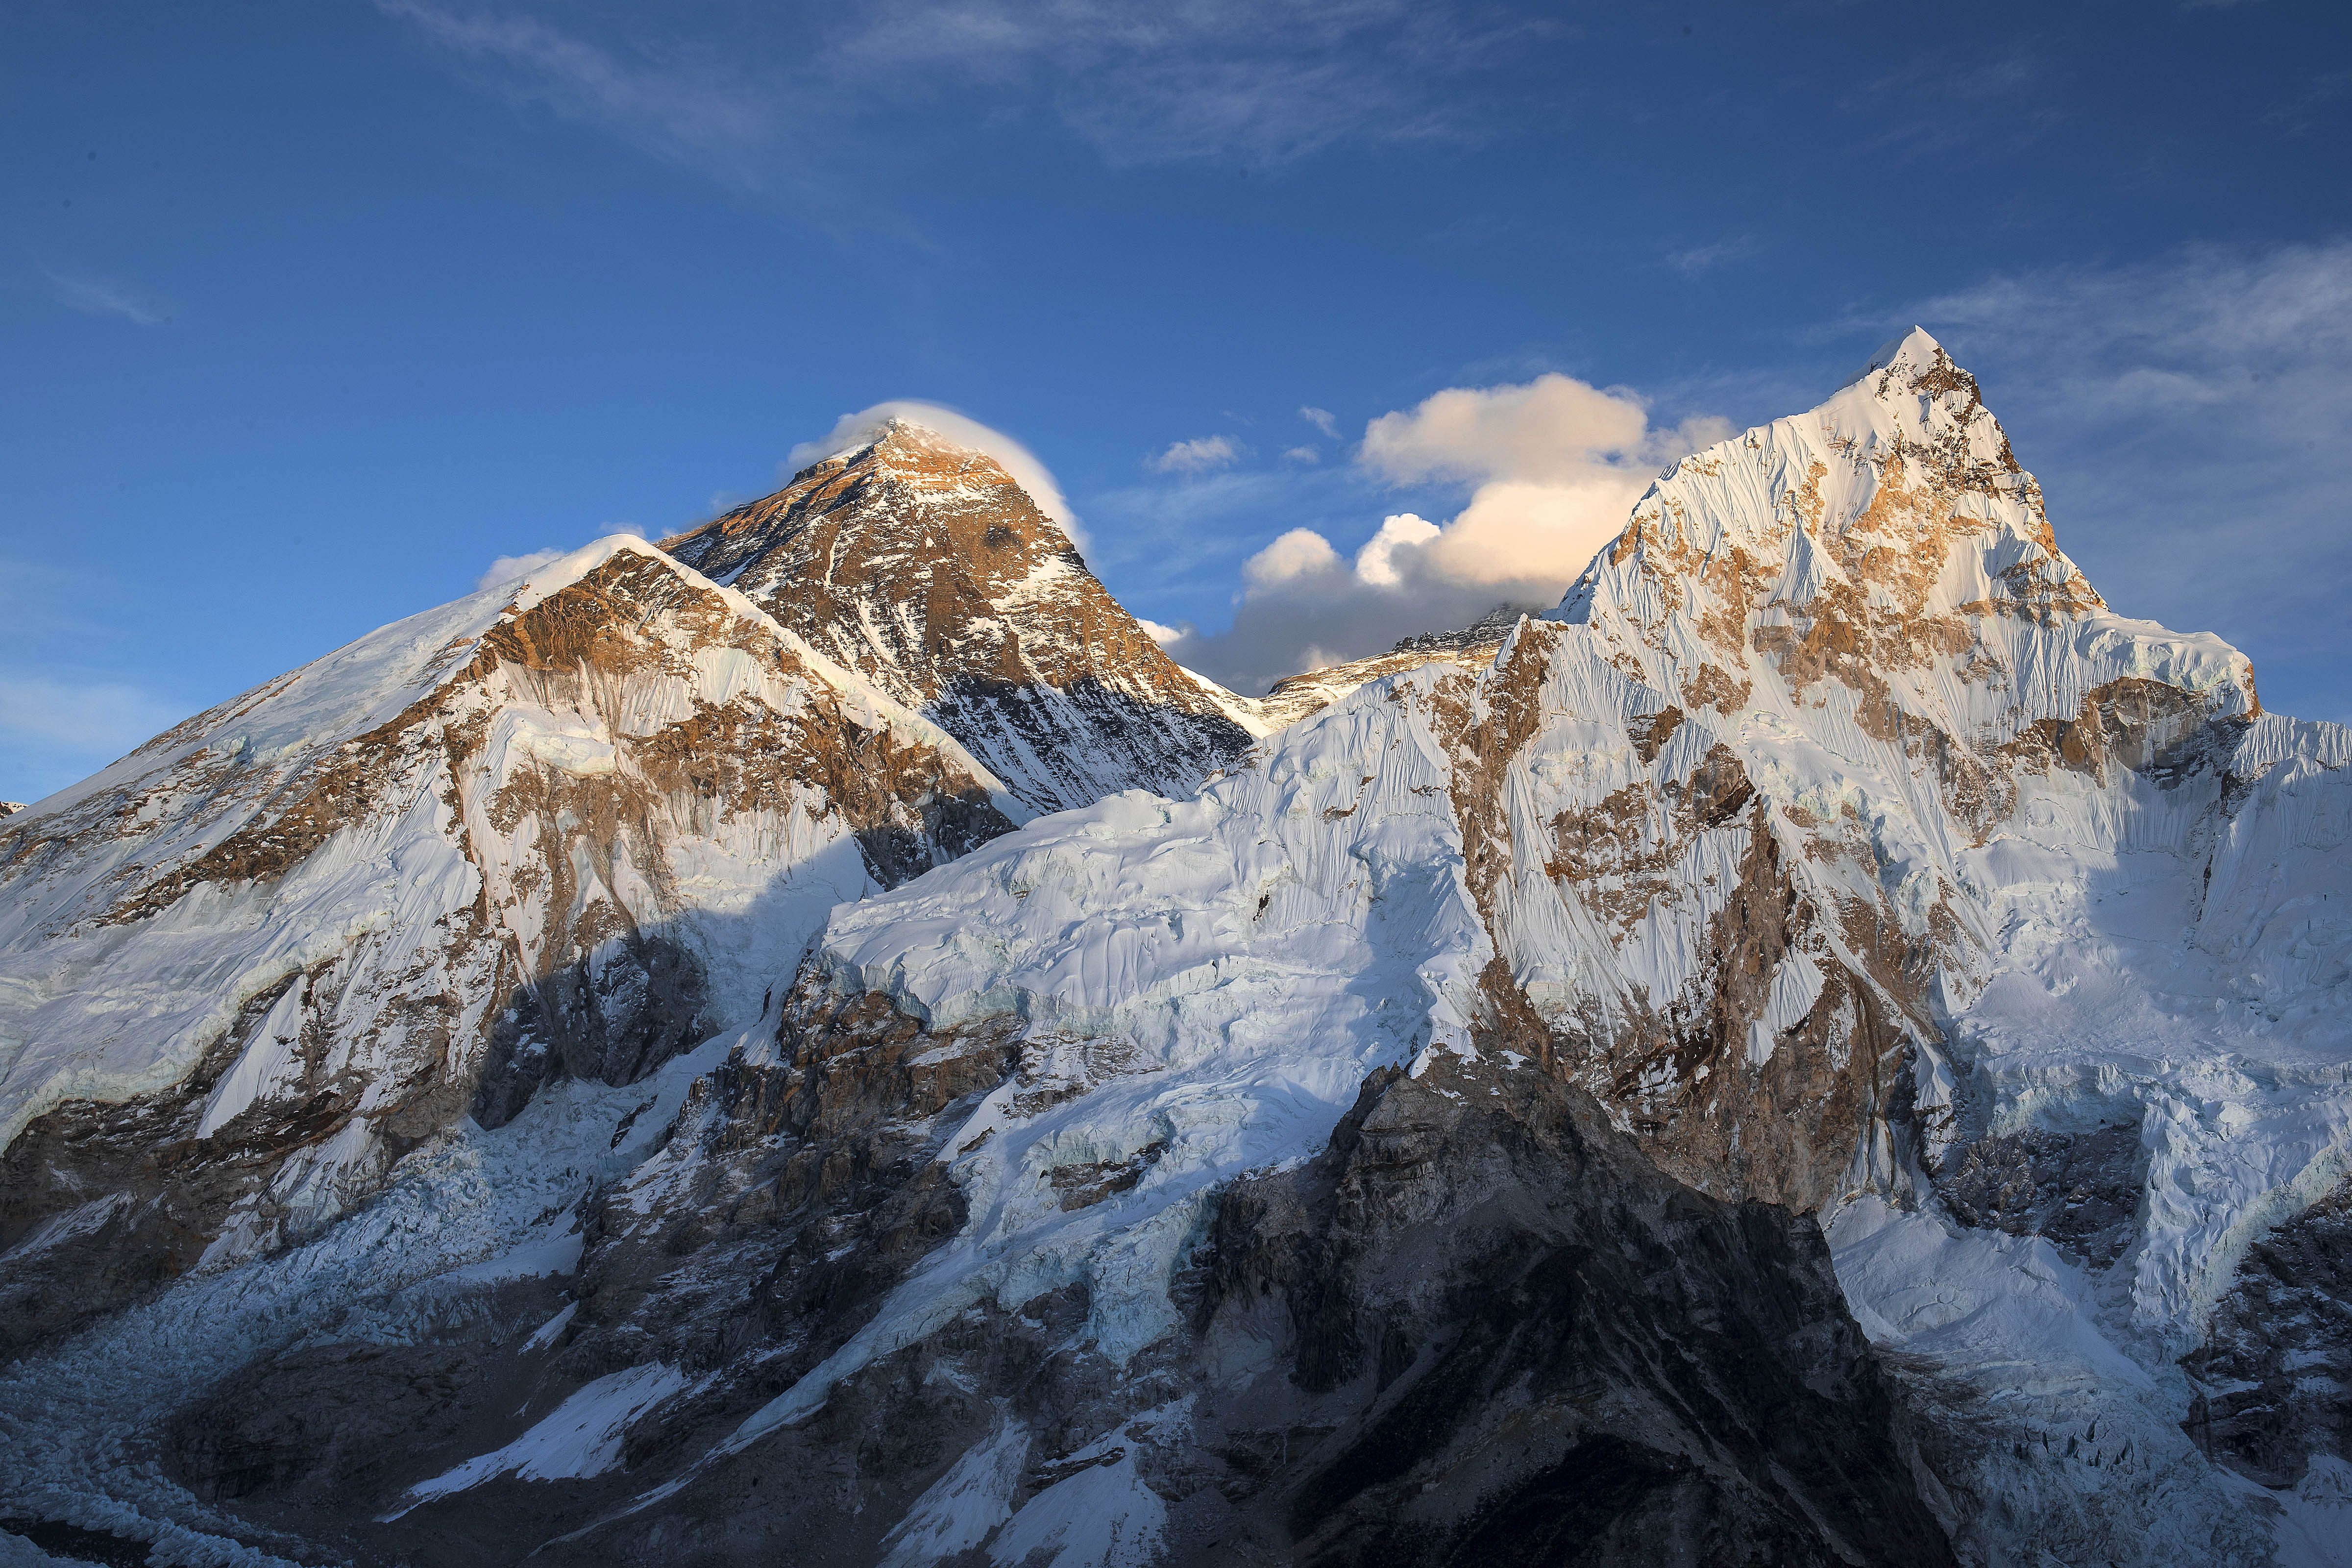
924,567
816,1043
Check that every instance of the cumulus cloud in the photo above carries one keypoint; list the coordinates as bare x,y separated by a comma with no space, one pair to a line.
1203,455
855,430
1556,463
1322,418
1303,455
1551,465
1164,636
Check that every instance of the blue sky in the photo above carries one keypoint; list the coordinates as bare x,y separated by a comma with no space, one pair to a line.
314,309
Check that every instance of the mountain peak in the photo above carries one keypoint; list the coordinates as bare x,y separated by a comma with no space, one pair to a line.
926,565
902,448
1902,568
1916,350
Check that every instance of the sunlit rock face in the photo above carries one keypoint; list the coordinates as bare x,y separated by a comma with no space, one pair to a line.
923,567
1825,1048
564,829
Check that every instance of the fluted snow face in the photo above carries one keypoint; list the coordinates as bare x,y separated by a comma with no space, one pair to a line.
1885,557
1834,822
1833,833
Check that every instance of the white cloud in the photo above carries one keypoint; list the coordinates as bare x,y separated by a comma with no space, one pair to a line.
852,431
1200,456
1553,466
1322,418
1557,463
94,298
1165,635
1701,259
1376,562
1552,426
514,568
1300,554
691,107
770,97
1303,455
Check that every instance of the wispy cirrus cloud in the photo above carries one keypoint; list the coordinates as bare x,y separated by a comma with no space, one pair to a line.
1159,80
758,102
675,102
98,296
1706,258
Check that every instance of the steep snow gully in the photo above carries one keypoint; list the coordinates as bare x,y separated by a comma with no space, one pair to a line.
1827,1046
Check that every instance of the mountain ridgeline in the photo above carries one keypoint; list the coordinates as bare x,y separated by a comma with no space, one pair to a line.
816,1042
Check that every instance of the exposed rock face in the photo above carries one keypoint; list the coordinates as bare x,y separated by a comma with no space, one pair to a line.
2274,1378
1416,1145
1479,1326
1486,632
556,834
1509,1339
923,567
2080,1192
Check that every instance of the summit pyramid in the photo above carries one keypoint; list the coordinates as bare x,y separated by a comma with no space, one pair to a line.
925,567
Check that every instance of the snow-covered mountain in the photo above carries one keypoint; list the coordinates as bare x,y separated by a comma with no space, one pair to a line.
923,567
569,826
1828,1046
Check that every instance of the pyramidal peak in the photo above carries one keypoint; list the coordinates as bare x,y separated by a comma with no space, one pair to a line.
1918,347
903,446
924,565
1886,554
